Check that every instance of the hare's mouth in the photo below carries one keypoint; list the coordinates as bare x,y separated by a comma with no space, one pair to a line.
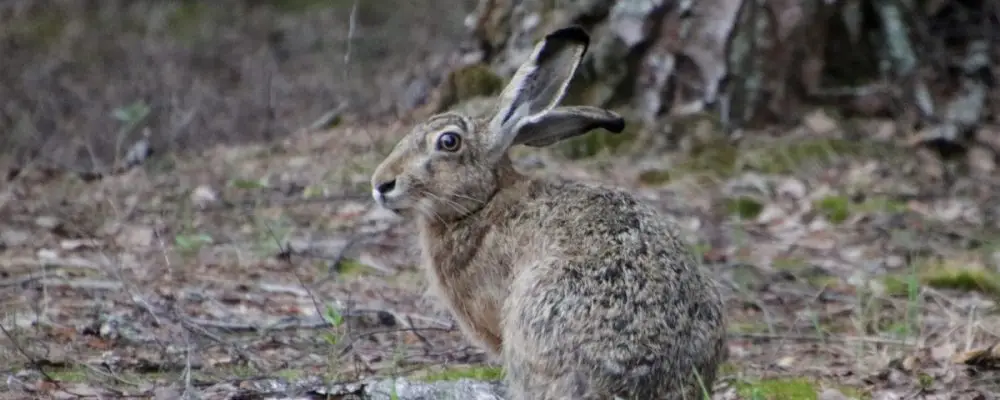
394,200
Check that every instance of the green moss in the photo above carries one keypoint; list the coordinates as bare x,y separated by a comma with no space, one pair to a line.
718,157
582,91
789,263
881,204
185,21
778,389
790,156
835,209
289,374
711,153
480,373
469,82
654,176
38,30
597,142
968,280
744,207
728,369
954,275
69,375
78,373
352,267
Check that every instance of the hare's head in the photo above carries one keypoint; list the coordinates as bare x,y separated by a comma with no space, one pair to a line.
450,165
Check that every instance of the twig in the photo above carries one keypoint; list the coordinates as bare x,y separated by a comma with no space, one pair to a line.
110,375
187,366
817,338
31,360
351,26
350,345
255,203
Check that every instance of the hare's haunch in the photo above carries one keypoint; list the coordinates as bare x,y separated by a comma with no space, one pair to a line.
583,291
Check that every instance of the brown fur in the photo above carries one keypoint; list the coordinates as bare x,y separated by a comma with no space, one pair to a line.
582,290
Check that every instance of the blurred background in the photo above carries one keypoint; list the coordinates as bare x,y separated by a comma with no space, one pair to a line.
81,79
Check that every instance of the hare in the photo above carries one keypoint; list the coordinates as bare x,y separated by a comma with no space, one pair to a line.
581,290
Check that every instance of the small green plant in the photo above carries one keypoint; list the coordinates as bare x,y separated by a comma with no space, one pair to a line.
480,373
131,114
778,389
190,244
272,235
247,184
744,207
925,380
336,320
654,176
836,209
705,395
131,117
352,267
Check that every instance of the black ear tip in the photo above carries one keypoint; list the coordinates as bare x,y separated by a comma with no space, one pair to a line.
616,125
572,33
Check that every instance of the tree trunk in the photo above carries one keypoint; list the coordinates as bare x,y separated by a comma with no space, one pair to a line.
750,62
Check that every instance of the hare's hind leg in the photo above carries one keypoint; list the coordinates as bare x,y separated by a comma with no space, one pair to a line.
522,384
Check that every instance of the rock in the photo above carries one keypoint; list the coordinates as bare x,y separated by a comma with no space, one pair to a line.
203,195
14,238
135,236
47,222
466,389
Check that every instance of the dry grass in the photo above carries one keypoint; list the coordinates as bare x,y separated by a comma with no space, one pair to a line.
143,280
243,71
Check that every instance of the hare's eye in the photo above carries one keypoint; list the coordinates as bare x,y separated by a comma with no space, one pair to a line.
449,141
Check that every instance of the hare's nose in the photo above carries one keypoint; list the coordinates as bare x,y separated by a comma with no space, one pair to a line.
385,187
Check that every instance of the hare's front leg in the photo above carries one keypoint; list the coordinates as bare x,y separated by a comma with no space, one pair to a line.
477,315
479,334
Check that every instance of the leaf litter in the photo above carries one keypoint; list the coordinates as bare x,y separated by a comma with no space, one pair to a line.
224,273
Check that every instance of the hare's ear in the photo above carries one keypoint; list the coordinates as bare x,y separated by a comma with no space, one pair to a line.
537,86
565,122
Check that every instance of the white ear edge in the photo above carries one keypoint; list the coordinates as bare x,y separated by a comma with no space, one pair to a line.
562,123
539,84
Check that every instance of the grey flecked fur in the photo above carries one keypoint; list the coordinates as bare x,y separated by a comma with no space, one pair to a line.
582,290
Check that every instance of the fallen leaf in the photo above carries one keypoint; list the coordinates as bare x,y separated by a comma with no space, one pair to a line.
817,121
135,236
988,357
76,244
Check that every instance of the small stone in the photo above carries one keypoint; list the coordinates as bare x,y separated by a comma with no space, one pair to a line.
820,123
13,238
47,222
47,254
203,196
792,188
135,236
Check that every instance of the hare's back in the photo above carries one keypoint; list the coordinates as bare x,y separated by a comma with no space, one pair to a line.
621,294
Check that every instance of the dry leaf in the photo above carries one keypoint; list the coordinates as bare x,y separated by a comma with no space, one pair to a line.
988,357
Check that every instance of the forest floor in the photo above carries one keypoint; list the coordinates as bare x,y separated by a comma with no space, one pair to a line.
846,271
241,260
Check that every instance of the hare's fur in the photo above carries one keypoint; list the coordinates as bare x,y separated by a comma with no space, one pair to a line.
582,290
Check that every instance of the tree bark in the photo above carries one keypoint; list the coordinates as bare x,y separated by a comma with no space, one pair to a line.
753,62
